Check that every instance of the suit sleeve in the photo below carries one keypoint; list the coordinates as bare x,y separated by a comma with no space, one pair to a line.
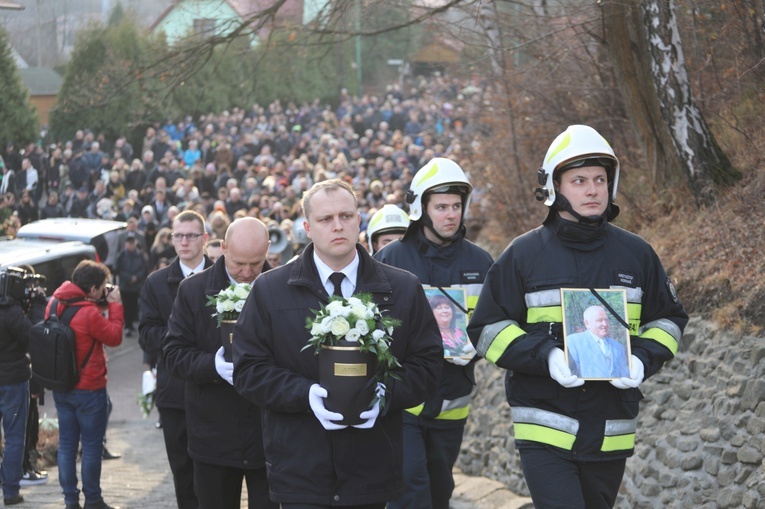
152,327
183,355
257,376
423,361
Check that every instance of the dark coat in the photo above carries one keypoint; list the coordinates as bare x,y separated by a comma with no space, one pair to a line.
129,264
306,463
157,298
14,344
223,427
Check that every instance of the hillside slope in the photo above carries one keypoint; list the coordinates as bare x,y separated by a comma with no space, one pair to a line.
715,255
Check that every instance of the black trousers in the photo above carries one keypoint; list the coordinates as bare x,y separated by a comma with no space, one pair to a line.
130,306
559,483
220,487
429,457
176,445
33,433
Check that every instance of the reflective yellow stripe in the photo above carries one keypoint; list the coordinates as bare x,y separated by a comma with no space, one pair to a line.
502,341
455,414
618,443
661,337
545,314
416,410
633,317
450,415
472,300
545,435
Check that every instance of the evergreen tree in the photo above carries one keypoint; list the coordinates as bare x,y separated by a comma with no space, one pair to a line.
106,88
18,119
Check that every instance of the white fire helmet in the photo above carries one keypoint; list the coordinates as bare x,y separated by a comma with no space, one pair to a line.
389,219
577,144
439,175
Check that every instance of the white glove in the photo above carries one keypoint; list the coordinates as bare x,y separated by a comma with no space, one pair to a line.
372,414
559,370
316,395
467,351
637,372
225,369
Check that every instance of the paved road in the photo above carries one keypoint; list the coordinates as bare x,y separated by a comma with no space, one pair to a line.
142,478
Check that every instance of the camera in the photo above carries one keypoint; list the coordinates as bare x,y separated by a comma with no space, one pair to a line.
109,288
17,285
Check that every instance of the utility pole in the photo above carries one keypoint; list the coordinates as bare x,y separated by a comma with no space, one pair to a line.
37,33
358,47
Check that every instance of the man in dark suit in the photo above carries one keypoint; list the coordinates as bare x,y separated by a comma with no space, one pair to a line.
225,437
314,461
157,298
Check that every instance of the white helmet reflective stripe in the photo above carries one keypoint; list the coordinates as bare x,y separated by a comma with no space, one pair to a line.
576,143
439,172
389,219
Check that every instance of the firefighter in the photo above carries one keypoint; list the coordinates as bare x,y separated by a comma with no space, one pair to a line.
434,249
574,437
387,224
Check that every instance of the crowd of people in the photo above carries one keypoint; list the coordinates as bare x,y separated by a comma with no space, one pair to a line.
208,203
256,161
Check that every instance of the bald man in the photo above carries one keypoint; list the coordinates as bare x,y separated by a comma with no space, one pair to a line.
225,438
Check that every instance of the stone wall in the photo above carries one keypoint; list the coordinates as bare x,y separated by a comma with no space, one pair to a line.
701,436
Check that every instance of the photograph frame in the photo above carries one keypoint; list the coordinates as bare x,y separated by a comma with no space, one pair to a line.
456,342
596,341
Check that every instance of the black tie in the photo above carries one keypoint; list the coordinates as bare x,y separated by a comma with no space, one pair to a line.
337,280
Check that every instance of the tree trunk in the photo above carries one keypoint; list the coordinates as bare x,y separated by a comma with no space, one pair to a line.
646,49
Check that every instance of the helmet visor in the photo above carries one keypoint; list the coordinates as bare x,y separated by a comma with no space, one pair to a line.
449,189
605,162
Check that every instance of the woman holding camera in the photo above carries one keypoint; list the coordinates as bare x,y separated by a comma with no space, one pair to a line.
82,412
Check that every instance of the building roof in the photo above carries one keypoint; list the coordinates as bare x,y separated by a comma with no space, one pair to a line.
11,5
175,4
41,81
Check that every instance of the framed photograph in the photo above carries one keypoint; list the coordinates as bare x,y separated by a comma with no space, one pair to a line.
449,306
596,333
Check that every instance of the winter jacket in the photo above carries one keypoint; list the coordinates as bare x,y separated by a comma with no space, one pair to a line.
15,327
518,321
90,325
461,264
306,463
223,427
157,299
130,264
14,344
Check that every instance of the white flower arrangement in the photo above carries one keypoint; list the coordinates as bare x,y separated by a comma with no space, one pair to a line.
356,320
228,303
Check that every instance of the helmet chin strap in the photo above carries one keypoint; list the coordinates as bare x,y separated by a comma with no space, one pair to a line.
428,223
562,203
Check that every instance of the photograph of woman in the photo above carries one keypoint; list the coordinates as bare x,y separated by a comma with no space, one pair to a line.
451,323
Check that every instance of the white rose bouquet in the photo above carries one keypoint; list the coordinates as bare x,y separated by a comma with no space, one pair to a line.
228,303
356,320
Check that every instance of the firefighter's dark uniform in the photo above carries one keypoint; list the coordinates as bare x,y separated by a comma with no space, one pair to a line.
518,321
433,430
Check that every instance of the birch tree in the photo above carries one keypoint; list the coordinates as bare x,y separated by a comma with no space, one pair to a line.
646,48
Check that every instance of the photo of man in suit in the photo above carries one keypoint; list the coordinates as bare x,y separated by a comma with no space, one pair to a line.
593,353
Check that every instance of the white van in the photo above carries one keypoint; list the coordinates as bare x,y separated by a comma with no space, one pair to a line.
100,233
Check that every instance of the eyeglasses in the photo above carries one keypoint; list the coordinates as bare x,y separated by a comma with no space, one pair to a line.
191,237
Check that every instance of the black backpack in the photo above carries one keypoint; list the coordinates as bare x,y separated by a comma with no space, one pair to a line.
52,350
